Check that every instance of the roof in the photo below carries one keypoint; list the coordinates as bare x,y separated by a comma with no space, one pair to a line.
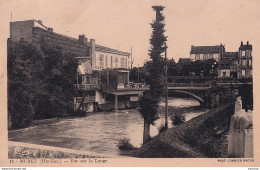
184,60
245,47
110,50
206,49
97,47
230,55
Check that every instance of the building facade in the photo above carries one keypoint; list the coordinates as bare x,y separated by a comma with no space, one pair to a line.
245,60
207,52
101,57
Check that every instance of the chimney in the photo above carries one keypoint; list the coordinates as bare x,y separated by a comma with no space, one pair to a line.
247,43
241,43
92,52
50,29
82,38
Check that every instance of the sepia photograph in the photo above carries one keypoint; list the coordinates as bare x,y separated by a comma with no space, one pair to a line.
88,81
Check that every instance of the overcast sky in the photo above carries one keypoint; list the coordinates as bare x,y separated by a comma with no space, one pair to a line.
120,24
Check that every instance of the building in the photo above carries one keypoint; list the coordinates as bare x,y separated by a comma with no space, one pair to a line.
207,52
245,60
101,57
92,59
228,67
237,65
234,65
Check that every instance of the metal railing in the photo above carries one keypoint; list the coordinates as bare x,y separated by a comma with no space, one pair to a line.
188,84
88,86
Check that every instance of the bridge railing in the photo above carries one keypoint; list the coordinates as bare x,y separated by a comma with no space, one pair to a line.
188,84
135,86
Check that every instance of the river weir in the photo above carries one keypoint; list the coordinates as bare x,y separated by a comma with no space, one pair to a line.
99,132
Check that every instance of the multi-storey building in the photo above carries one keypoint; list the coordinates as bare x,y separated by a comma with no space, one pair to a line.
207,52
101,57
231,64
92,58
245,60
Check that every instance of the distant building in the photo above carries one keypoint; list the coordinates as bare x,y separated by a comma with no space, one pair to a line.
245,60
237,64
207,52
228,67
231,64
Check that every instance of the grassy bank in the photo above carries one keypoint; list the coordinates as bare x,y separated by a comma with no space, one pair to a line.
200,137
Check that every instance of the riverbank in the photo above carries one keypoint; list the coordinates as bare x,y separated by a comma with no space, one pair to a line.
202,136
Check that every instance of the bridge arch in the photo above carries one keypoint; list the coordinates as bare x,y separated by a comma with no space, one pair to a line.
198,98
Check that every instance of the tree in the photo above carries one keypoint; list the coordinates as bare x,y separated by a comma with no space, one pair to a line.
40,82
20,70
149,101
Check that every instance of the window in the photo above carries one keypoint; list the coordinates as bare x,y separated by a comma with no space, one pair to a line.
249,62
197,56
243,72
126,63
210,56
101,60
116,61
248,72
248,53
122,62
111,61
224,73
244,63
106,61
243,53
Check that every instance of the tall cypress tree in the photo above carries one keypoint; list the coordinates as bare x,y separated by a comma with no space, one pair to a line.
149,102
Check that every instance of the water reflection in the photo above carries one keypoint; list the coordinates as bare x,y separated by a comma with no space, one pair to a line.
98,132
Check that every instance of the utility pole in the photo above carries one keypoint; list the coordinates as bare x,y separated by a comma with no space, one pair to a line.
131,58
166,87
138,74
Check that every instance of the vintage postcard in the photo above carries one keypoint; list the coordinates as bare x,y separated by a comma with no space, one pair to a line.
129,83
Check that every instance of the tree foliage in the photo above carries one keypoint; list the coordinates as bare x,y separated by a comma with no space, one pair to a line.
149,102
40,82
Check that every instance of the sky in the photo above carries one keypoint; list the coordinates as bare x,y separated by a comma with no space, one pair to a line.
120,24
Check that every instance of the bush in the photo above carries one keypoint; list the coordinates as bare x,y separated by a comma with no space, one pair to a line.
20,108
178,118
124,144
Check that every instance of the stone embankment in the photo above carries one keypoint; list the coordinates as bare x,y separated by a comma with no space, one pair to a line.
18,150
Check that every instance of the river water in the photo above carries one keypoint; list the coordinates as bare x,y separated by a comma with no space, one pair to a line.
98,132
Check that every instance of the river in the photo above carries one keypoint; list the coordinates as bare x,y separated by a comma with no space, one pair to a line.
98,132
